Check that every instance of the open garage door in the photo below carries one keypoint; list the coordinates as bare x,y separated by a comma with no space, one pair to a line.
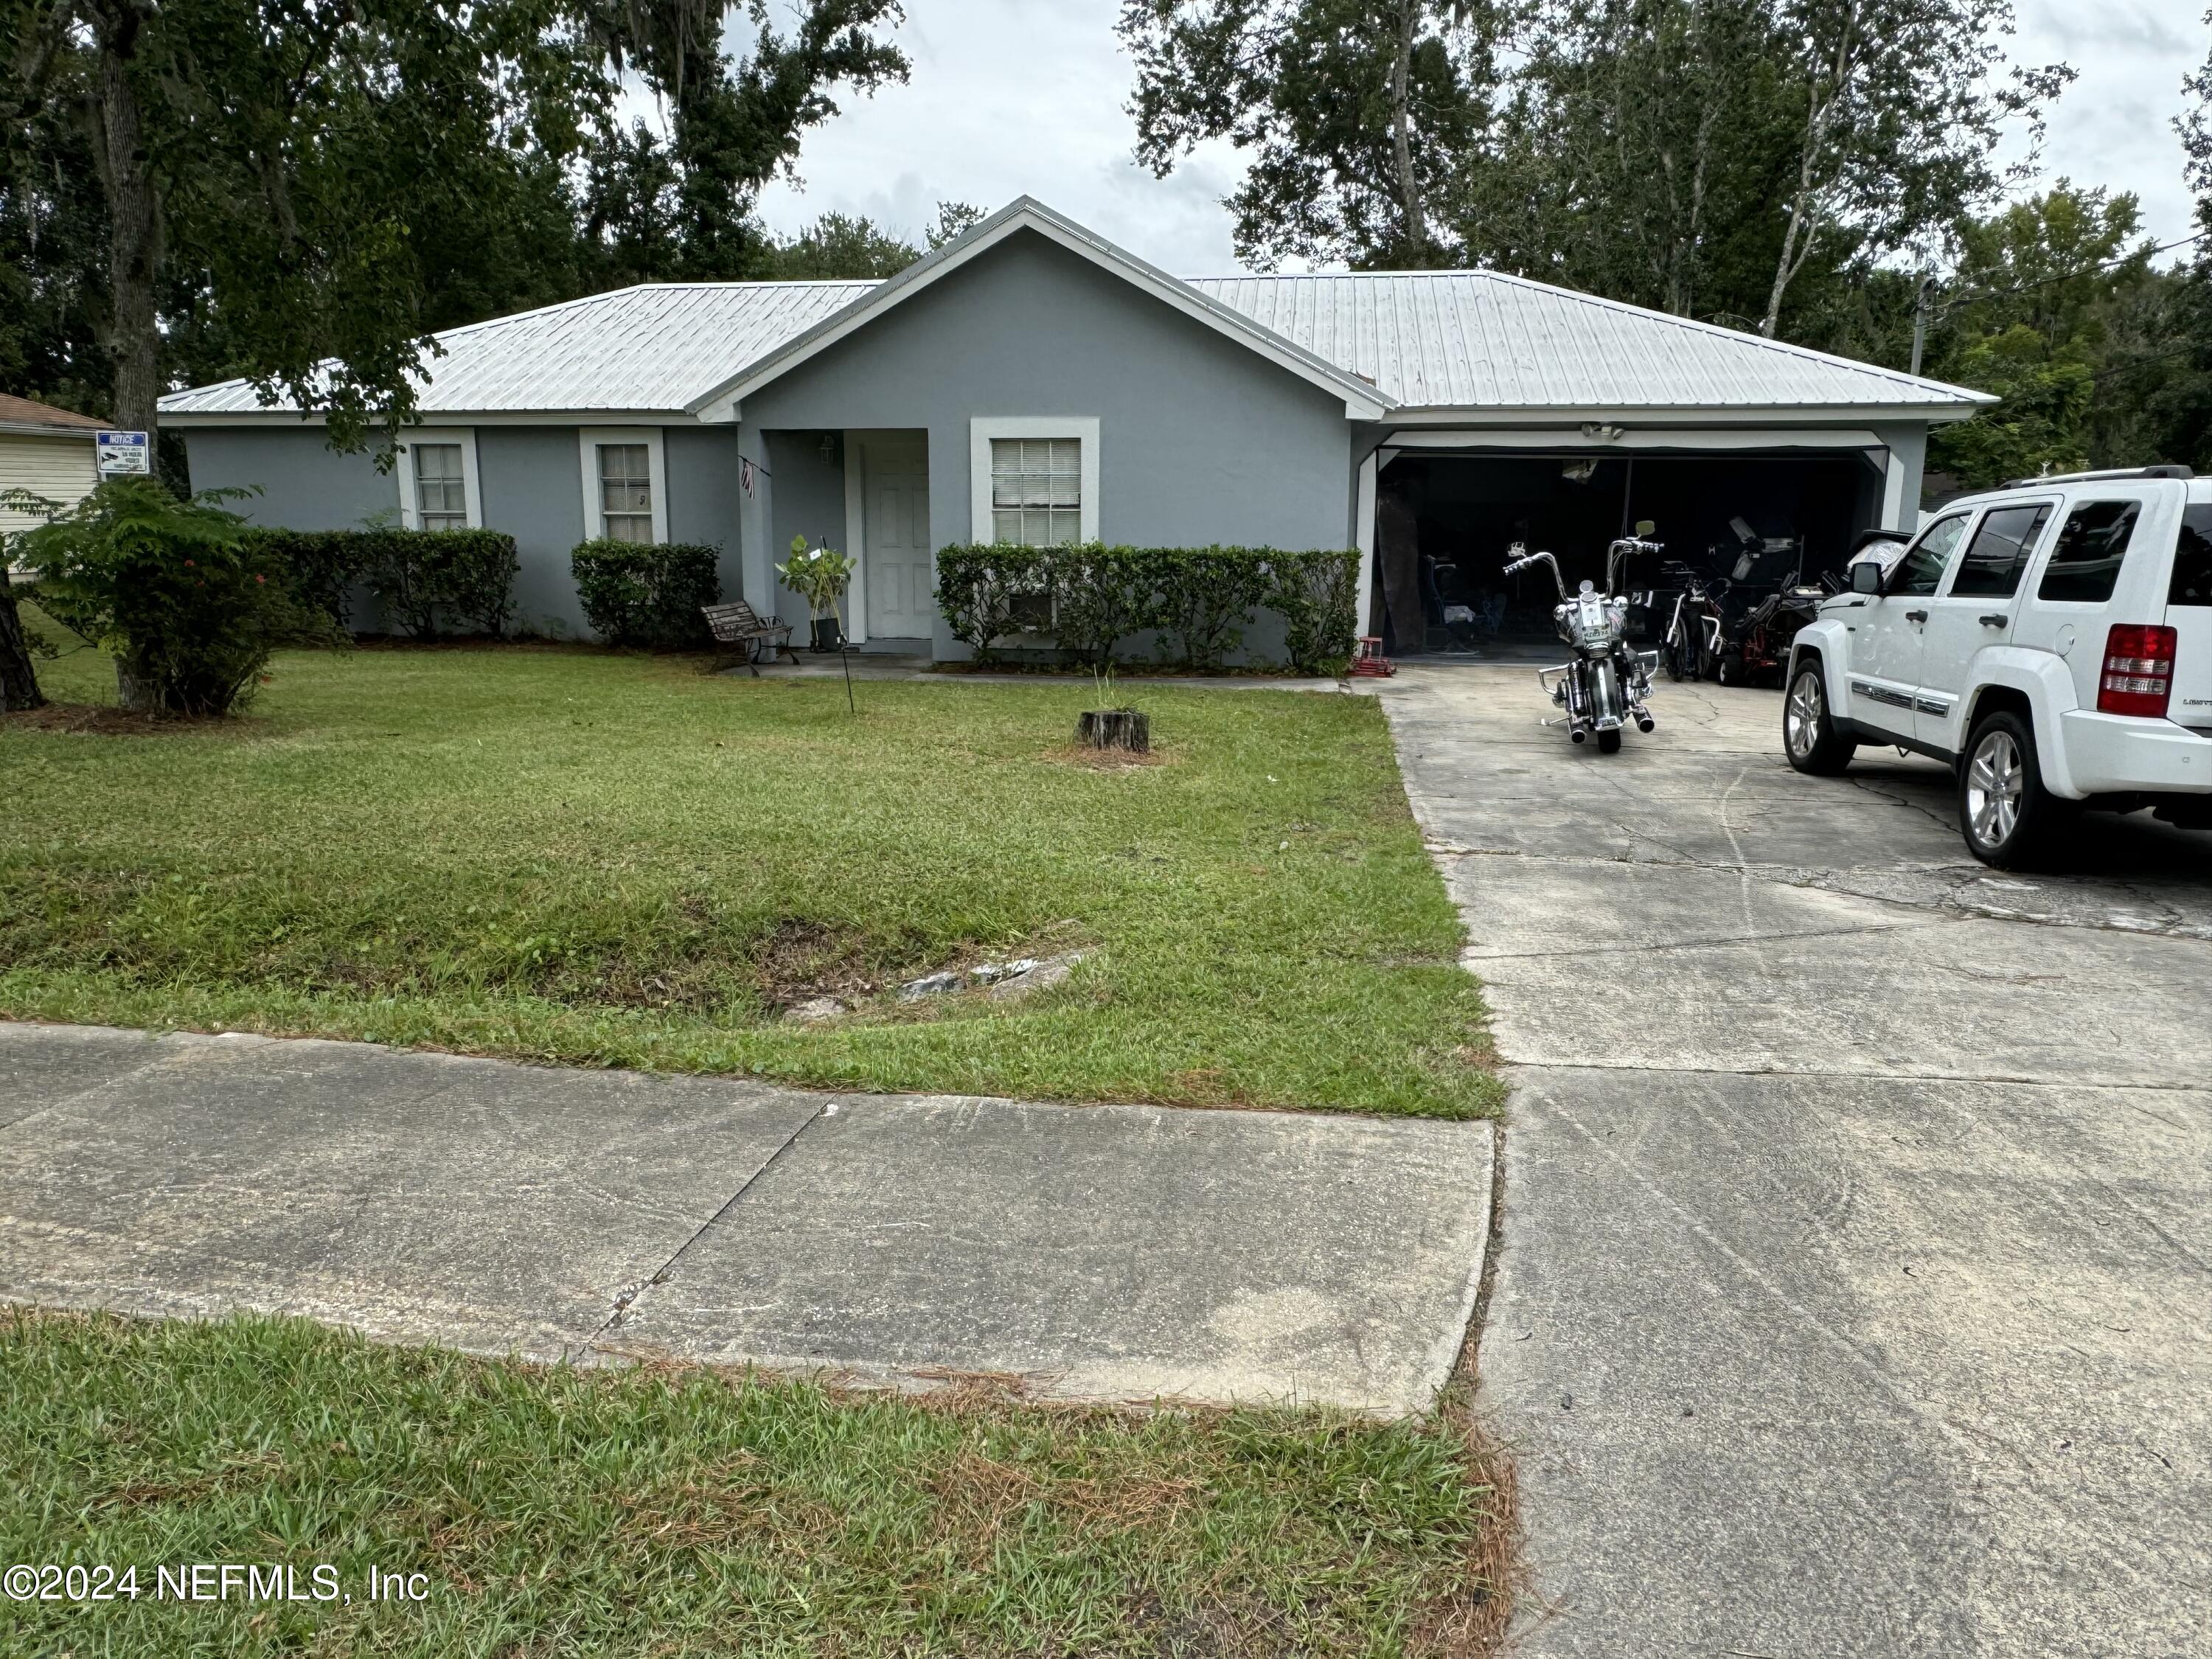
1444,520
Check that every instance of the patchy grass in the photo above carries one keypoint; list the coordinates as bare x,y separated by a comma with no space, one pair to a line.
605,859
688,1512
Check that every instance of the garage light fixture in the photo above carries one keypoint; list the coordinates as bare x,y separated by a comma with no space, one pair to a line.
1602,434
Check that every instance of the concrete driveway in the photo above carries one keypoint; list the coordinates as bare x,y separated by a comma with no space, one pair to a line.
1855,1289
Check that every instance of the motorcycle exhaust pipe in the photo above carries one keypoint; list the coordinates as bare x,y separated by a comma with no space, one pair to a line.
1578,735
1645,722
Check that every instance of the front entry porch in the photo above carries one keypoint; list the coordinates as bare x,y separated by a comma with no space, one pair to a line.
864,491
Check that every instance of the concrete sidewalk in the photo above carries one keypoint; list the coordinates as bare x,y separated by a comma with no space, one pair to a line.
1101,1252
1855,1294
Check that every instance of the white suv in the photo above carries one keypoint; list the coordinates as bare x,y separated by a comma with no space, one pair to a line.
2051,641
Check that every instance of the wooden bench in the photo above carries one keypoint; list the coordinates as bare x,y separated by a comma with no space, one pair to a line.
740,625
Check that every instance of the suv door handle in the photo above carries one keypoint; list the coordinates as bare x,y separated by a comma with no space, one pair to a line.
1995,620
1916,616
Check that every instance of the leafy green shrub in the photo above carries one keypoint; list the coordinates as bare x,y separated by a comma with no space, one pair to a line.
190,606
1100,596
1318,596
464,577
648,594
980,586
1206,596
325,565
1200,598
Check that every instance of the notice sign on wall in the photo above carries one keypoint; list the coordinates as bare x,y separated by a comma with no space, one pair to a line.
122,452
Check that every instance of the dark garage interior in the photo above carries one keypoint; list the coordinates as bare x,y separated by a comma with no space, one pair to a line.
1443,523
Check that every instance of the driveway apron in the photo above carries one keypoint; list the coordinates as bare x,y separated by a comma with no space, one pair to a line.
1855,1295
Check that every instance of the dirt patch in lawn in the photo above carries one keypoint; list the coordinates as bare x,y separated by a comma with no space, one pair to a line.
1101,760
803,958
104,720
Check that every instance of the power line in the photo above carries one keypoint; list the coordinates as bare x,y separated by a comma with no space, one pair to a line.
1968,299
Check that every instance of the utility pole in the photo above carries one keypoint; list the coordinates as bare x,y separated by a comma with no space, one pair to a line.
1920,316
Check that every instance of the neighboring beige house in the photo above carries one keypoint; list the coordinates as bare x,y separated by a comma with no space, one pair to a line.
46,451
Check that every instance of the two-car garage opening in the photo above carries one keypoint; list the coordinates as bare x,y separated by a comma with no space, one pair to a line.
1444,520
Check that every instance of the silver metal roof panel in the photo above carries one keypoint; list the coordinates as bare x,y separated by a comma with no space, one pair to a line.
1475,339
1461,340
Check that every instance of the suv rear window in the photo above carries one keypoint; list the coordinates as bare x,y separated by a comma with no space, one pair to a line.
2192,558
1991,568
2085,564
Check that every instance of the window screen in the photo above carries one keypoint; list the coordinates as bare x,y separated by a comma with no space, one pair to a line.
1036,491
626,492
1922,568
2192,559
2085,561
1999,552
441,500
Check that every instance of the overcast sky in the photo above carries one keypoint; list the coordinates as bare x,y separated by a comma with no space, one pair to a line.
1010,96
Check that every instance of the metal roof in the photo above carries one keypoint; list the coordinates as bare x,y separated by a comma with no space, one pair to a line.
1475,339
1025,214
636,349
1426,341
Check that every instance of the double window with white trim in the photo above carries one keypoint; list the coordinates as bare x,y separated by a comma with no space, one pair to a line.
1034,479
438,480
626,492
1036,491
441,491
625,483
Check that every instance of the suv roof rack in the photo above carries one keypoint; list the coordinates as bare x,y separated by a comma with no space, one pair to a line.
2098,477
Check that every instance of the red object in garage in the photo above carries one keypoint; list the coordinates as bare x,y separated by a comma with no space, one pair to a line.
1369,662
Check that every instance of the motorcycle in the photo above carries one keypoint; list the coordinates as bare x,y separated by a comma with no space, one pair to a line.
1758,648
1691,649
1606,686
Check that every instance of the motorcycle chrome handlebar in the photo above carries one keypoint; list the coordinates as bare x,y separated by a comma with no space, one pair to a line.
1626,547
1522,560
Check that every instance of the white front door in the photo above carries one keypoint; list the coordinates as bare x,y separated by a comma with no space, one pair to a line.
902,579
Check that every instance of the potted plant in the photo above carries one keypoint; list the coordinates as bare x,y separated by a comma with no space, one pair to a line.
819,575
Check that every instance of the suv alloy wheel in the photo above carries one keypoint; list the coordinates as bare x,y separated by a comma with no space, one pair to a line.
2007,814
1809,737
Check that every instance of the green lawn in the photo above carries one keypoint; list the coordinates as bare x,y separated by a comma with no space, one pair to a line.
621,860
585,1512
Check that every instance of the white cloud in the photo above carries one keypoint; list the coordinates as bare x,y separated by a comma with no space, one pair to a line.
2115,126
1015,96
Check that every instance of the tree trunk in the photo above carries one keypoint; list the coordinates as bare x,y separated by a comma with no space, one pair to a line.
134,246
19,680
1115,728
1804,205
1401,137
134,693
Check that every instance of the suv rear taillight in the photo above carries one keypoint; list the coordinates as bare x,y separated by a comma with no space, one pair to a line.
2138,675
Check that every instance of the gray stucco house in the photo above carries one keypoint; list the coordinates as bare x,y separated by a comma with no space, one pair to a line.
1030,381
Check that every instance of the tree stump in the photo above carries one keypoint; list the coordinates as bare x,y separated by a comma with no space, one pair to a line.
1115,728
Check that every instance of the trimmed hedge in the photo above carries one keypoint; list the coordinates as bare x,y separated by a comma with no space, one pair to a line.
639,593
463,578
1089,597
